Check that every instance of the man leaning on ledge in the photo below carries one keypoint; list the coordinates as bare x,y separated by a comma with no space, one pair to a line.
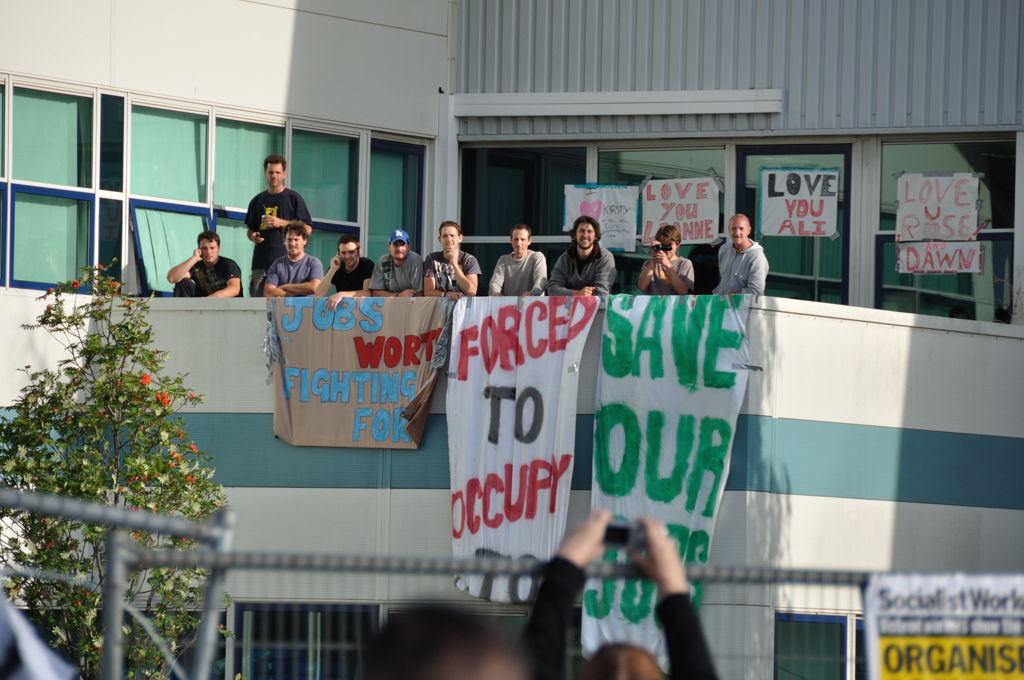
206,273
743,267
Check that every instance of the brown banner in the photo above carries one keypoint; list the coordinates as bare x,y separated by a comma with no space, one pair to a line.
346,375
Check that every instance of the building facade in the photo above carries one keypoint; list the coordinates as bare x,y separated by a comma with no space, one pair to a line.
881,434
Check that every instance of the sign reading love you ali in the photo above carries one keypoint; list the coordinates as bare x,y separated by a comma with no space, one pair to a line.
614,208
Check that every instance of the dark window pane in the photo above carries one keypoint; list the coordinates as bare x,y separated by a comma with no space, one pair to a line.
111,213
503,187
810,650
112,143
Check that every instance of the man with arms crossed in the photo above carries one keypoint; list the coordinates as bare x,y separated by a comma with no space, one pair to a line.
742,266
296,274
268,215
349,273
399,273
206,273
524,272
451,271
664,273
585,268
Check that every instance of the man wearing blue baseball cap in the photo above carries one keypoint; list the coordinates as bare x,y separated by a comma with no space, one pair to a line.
400,272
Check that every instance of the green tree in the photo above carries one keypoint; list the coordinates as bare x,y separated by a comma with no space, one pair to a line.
101,427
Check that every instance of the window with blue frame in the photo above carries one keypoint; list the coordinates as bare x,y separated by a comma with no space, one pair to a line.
164,235
302,642
53,241
985,297
168,151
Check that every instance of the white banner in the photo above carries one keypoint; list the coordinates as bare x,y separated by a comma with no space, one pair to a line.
672,377
944,208
613,207
512,430
944,626
799,202
939,257
690,204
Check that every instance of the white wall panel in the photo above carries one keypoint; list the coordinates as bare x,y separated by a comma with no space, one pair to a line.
22,347
741,640
377,65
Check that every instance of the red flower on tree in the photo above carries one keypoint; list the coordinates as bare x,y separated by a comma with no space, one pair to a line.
163,398
145,379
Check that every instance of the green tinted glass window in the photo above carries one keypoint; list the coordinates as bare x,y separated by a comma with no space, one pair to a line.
111,219
165,239
325,172
53,243
394,199
235,245
323,245
240,152
169,154
810,650
52,138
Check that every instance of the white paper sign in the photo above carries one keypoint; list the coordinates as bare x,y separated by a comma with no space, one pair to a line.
799,202
944,626
937,208
613,207
939,257
690,204
672,377
512,430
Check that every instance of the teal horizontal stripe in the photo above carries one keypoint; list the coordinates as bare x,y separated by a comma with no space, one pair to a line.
771,455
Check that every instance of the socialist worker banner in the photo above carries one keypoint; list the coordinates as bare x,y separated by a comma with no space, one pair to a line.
672,377
344,377
512,384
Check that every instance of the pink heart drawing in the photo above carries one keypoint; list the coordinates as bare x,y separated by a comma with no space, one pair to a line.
591,209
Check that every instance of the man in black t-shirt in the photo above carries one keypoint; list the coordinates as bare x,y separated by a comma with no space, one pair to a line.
349,273
206,273
268,215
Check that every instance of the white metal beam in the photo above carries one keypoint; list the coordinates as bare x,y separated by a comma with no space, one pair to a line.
618,103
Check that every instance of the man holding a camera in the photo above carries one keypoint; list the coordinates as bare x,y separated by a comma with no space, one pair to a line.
665,273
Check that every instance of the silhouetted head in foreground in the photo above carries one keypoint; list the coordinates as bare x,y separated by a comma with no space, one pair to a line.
621,662
436,643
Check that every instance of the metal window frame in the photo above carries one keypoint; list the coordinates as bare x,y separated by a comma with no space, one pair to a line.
813,618
15,188
846,150
882,238
149,204
420,152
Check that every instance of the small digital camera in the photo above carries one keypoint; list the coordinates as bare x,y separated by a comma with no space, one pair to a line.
660,247
619,535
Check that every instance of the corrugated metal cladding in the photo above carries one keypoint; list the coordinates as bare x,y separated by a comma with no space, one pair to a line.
843,65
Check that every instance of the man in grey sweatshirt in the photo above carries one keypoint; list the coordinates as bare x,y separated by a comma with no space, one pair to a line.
743,267
585,268
524,272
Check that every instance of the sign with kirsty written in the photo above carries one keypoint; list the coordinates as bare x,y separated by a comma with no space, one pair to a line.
613,207
937,208
939,257
511,409
689,204
672,377
944,626
799,202
347,375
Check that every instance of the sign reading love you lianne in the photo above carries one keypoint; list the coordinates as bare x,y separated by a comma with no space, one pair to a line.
614,208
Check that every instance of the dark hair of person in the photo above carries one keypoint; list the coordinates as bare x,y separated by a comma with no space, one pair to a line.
348,238
296,227
208,236
586,219
669,232
274,159
520,227
440,643
449,223
621,662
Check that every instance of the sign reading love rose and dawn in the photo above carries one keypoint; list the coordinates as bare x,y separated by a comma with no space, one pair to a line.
511,405
347,375
672,378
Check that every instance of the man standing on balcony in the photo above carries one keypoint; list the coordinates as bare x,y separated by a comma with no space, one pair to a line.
742,266
269,213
